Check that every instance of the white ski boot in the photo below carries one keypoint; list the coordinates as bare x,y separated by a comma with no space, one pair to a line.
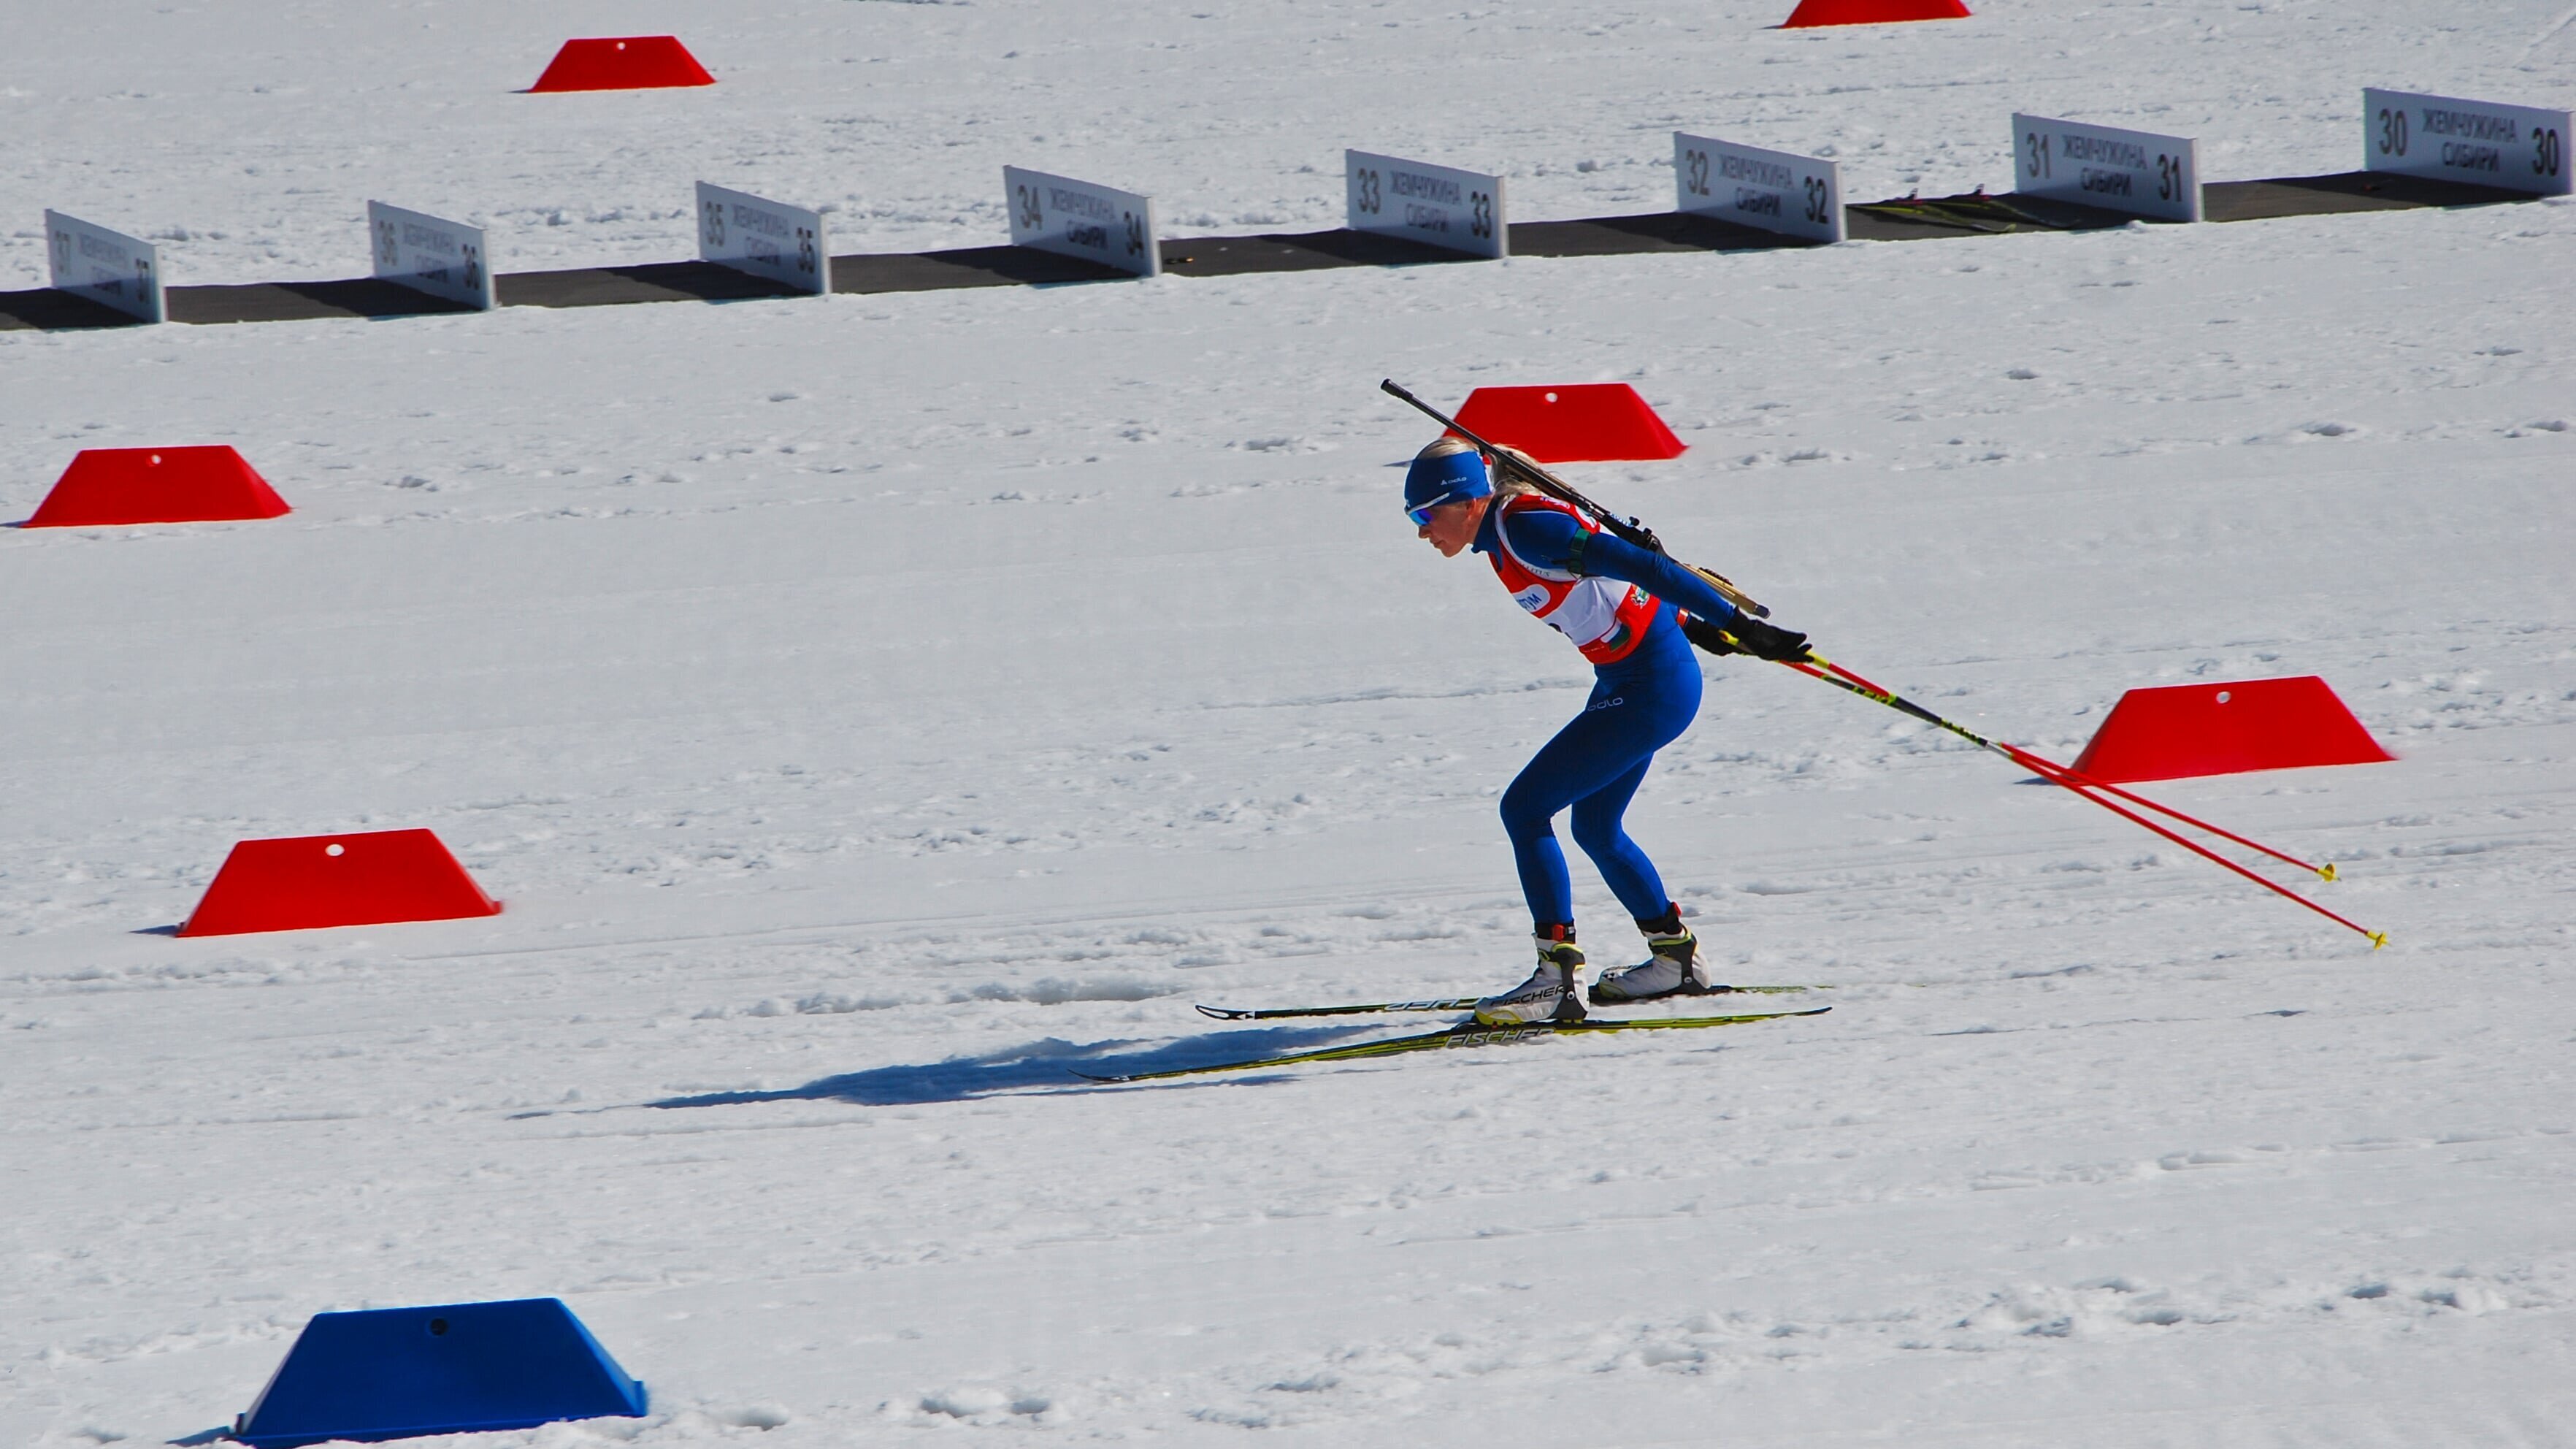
1554,992
1674,970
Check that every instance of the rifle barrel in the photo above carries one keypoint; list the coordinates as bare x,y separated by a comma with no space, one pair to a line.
1546,482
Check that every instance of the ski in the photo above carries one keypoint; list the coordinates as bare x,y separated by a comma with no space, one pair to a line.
1446,1003
1467,1034
1975,211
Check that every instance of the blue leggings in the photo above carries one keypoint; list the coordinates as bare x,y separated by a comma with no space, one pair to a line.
1638,706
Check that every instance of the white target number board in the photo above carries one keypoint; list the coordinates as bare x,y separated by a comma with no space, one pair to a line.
1461,211
1081,219
768,239
107,267
2138,172
442,258
1800,196
2517,148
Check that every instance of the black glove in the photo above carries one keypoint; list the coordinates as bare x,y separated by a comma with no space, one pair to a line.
1765,640
1707,635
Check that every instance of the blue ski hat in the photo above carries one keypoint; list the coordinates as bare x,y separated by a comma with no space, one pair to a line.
1449,471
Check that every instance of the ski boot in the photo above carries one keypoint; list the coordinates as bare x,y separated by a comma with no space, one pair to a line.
1554,992
1673,970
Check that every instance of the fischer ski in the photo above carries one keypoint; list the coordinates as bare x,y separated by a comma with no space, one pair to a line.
1467,1034
1974,211
1446,1003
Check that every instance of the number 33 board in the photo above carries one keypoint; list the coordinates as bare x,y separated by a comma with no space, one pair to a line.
1459,210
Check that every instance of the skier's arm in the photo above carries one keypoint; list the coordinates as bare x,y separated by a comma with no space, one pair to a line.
1557,541
1659,574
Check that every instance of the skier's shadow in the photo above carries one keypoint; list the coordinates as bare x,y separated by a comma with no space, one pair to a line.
1051,1062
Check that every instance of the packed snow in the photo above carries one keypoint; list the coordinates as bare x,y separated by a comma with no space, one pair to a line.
872,708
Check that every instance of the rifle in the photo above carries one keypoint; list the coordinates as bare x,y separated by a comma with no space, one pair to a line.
1522,466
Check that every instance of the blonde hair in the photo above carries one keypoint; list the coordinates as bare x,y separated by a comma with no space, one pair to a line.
1506,484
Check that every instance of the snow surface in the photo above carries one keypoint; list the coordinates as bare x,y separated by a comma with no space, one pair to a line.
871,707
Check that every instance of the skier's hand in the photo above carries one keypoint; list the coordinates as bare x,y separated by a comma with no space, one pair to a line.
1707,635
1765,640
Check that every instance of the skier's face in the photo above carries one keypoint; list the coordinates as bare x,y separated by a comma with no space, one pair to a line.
1453,526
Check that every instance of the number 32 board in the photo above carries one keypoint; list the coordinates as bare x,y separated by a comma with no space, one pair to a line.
1793,195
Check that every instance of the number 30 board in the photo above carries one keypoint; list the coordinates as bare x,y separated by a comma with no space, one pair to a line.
2513,147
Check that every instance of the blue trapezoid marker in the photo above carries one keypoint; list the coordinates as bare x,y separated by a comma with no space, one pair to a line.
393,1373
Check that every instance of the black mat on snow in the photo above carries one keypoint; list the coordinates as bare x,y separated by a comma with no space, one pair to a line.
1901,219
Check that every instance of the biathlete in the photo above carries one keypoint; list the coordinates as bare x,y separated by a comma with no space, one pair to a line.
1635,615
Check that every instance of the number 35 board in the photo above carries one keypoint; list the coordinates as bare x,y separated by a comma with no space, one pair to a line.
2132,171
2514,147
768,239
1435,205
1773,190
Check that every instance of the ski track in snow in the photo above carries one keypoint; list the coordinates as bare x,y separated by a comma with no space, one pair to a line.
871,709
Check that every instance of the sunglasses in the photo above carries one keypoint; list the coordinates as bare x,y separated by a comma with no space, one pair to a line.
1422,516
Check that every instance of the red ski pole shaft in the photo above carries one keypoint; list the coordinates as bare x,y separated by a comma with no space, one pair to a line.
1818,667
2035,764
2022,757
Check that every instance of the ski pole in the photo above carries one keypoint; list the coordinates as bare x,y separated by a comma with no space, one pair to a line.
2325,872
2075,782
1817,666
2071,781
2056,774
2041,764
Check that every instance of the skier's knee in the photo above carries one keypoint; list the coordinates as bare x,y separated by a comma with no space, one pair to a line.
1598,838
1525,815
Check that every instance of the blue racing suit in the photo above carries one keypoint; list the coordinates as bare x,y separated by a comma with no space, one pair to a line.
1639,704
